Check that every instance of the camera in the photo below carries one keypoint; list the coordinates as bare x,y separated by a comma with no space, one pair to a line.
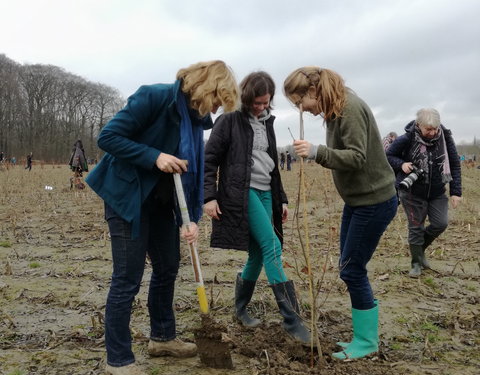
408,181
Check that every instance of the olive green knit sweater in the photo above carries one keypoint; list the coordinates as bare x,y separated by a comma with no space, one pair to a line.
356,156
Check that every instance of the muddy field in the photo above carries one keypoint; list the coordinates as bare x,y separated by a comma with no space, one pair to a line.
55,268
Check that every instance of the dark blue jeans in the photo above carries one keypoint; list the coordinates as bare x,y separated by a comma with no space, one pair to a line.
360,233
159,238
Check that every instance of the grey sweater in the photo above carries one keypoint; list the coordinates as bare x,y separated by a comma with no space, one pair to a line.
355,153
262,163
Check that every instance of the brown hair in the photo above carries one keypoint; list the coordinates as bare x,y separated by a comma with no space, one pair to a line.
330,89
210,84
254,85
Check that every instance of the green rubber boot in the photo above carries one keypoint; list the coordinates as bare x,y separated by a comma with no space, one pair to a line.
428,239
365,335
344,344
417,253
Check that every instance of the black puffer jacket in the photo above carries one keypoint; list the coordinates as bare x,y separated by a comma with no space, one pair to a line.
397,154
229,151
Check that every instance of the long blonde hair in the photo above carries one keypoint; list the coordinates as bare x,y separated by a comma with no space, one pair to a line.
330,90
209,84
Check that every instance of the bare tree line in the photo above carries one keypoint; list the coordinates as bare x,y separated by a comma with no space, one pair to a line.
44,110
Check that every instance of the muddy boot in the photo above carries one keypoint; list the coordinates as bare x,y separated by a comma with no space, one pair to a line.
288,305
243,294
428,239
174,348
130,369
417,252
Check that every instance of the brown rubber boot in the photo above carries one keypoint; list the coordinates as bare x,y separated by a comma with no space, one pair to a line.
131,369
174,348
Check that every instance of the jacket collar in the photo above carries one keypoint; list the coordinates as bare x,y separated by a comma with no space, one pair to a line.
206,121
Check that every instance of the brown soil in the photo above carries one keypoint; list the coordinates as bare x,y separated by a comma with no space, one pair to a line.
213,344
55,267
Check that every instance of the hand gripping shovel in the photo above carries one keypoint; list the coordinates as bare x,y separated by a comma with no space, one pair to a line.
202,296
212,348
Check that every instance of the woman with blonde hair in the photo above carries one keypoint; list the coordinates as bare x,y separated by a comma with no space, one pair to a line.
159,132
364,180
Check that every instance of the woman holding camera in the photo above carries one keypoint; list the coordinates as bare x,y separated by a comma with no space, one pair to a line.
425,159
363,178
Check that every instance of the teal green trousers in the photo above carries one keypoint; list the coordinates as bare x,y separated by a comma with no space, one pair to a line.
265,249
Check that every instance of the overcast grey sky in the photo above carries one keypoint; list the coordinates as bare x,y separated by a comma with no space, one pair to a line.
398,55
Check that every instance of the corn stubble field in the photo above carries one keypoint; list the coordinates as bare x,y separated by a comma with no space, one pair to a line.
55,266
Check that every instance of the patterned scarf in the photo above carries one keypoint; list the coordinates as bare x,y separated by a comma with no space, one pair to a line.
419,156
191,149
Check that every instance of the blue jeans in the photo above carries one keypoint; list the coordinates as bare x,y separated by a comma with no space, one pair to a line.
360,233
159,238
264,248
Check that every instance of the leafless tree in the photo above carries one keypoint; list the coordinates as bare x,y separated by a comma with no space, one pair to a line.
44,109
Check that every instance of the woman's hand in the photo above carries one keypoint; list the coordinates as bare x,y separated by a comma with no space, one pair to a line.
212,209
302,148
170,164
190,234
455,200
407,167
284,213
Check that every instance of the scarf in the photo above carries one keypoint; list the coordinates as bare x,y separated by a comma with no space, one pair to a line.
419,155
191,148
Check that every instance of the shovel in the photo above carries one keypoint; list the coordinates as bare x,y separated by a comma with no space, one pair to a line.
212,347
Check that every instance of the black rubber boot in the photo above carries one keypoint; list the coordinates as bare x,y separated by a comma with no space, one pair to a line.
288,305
417,253
243,294
427,240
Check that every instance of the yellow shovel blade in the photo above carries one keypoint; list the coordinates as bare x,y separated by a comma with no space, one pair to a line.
202,299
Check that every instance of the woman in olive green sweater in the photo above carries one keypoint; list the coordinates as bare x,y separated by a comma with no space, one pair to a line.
364,180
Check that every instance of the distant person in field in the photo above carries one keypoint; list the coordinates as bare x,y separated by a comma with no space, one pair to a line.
78,164
249,205
388,140
364,180
282,161
158,133
29,161
289,161
429,146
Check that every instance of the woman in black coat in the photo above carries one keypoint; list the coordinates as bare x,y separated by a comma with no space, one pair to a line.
242,152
